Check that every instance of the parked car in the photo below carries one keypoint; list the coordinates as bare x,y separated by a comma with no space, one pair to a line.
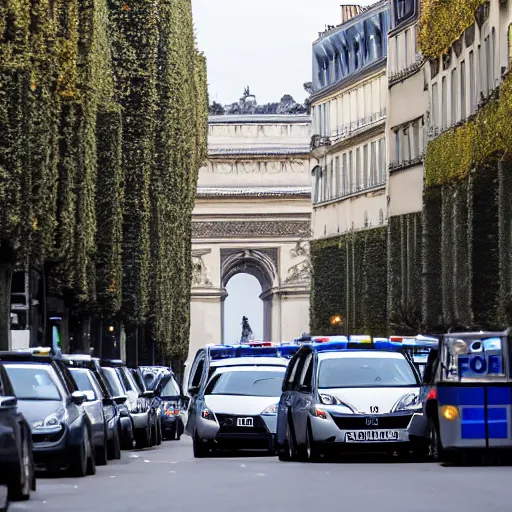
53,406
111,403
156,431
138,403
16,459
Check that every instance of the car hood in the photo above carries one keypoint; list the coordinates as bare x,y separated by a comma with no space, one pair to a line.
239,405
365,399
39,410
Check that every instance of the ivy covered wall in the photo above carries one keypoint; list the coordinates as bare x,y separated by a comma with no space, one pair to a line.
103,118
350,279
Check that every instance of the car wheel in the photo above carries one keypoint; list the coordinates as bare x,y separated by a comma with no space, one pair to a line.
143,437
434,444
101,452
312,453
200,449
19,489
290,443
91,458
79,457
159,433
114,446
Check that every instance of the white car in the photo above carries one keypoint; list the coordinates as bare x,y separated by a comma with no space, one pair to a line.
336,398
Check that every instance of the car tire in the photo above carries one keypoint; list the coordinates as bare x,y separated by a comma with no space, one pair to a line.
114,446
290,443
435,451
79,457
19,489
158,432
91,459
102,454
143,437
200,449
311,449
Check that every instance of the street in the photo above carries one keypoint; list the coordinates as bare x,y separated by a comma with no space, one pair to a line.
169,478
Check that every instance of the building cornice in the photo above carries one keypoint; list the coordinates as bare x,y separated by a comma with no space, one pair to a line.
259,119
351,80
366,133
253,192
258,152
406,73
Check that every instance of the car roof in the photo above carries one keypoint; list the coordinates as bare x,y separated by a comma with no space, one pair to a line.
264,368
353,354
114,363
25,356
250,361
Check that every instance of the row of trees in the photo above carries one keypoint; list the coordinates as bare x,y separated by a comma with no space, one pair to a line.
103,127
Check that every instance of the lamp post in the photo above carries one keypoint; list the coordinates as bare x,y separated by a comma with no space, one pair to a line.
337,323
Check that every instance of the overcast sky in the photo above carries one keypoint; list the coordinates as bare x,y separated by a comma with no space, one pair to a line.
264,44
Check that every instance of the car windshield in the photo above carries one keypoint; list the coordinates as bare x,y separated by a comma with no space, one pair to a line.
113,379
82,379
32,382
170,389
246,383
365,372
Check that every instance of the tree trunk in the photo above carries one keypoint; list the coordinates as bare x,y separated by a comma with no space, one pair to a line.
6,270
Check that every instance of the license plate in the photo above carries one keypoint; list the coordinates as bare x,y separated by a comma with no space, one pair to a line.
244,422
372,436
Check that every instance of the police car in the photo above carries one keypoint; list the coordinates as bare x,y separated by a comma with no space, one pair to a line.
358,394
234,405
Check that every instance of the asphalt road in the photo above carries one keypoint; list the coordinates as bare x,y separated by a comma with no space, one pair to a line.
169,478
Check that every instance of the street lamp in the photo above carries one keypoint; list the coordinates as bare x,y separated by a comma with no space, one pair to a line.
337,322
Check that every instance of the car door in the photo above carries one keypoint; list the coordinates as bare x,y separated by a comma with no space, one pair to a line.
10,441
194,386
303,398
287,396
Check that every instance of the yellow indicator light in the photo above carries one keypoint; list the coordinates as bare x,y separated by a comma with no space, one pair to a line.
450,412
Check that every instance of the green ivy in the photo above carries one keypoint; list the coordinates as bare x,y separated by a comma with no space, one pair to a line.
350,279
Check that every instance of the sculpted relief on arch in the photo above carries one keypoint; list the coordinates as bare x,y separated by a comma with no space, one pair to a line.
241,167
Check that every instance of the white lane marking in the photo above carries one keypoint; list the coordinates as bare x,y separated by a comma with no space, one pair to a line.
243,466
260,474
172,471
112,476
134,456
147,461
75,486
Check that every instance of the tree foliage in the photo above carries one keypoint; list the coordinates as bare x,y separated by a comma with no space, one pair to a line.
103,127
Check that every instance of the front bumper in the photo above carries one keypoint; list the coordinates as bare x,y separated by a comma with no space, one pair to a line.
354,432
225,431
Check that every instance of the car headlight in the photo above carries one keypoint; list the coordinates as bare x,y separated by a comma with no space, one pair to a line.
52,421
332,400
409,402
271,410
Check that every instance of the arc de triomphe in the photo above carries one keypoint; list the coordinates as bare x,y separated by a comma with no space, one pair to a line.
252,215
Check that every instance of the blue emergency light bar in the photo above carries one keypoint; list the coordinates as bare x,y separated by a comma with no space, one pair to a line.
230,351
420,342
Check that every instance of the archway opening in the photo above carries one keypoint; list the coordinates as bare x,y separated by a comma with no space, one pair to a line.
243,299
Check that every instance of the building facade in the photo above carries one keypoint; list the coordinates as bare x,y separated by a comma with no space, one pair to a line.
443,259
349,150
252,215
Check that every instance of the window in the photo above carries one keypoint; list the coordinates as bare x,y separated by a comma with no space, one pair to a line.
406,145
331,180
382,160
344,175
198,374
261,382
291,372
398,156
83,381
453,99
435,106
373,170
358,169
365,165
337,170
493,57
33,382
416,151
472,89
307,374
481,72
350,173
397,53
463,90
444,107
406,47
316,177
170,389
365,372
113,380
488,64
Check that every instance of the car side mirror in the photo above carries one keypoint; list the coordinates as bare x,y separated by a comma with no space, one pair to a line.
78,398
120,400
89,395
193,390
108,401
148,394
8,402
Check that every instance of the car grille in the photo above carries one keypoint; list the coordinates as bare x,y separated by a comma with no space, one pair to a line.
228,425
360,422
47,438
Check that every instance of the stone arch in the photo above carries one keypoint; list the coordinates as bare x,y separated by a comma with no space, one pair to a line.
260,263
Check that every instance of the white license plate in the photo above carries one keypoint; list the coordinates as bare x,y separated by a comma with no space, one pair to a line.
244,422
372,436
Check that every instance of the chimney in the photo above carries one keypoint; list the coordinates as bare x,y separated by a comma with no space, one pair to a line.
350,11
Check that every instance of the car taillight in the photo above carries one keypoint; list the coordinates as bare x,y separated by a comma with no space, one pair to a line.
432,394
207,414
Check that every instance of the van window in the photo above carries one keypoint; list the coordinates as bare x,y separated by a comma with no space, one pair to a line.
196,379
